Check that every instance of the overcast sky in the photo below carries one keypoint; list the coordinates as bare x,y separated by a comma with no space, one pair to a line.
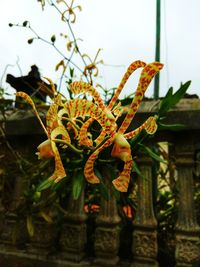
125,30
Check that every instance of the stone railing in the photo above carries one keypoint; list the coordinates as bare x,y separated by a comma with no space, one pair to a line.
139,239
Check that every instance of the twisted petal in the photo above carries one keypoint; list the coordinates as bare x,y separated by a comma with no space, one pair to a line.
122,150
134,66
81,108
28,99
89,166
79,87
52,118
84,140
149,125
59,172
121,183
145,78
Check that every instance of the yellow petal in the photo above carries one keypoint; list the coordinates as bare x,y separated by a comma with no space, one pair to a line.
28,99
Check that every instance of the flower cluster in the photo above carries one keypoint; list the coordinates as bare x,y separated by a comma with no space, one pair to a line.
67,118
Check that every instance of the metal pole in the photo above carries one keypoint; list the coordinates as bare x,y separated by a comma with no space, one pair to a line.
157,53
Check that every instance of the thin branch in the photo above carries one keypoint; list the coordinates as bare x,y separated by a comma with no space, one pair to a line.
71,31
4,72
56,48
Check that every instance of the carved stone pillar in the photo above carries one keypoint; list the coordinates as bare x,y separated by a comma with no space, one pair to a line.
42,241
1,208
187,229
13,227
73,237
144,234
13,232
107,230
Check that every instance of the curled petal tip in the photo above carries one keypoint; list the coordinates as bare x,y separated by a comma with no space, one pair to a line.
159,65
120,186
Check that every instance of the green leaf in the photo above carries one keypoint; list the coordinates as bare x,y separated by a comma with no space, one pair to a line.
169,93
153,154
71,72
171,99
102,187
36,196
65,181
77,184
74,164
30,225
137,139
180,93
46,216
136,169
172,127
198,156
44,185
165,103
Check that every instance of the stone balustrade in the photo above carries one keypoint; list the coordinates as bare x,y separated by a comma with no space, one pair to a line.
23,134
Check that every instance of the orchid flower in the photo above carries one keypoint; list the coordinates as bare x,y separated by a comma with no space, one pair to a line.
70,10
54,127
48,149
121,147
71,116
119,138
92,65
82,87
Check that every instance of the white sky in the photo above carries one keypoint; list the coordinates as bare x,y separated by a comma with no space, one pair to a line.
125,30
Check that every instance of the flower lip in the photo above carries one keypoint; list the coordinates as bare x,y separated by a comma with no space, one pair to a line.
45,150
121,148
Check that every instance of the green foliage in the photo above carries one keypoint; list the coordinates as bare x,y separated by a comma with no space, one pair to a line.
170,100
167,103
30,225
152,154
44,185
77,184
171,127
136,169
